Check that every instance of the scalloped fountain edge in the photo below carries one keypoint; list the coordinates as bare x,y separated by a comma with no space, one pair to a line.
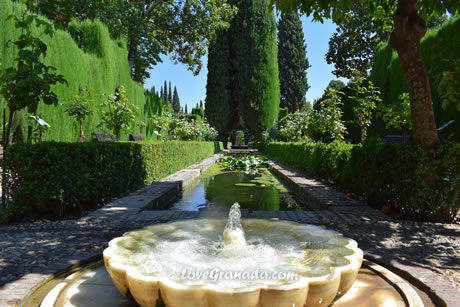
306,291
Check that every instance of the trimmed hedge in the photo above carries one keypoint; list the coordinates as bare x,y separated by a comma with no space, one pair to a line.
85,55
419,184
56,180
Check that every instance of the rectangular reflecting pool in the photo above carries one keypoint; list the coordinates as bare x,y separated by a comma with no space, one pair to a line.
254,190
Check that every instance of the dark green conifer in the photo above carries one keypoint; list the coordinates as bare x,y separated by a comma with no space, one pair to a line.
254,65
176,101
219,110
165,92
292,61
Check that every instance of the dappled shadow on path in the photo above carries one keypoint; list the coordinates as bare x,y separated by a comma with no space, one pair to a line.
431,246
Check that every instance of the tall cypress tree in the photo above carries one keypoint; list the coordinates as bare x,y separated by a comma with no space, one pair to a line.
170,95
186,111
292,62
165,92
254,65
176,101
161,93
219,110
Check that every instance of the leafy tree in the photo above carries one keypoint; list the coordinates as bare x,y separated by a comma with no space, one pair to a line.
80,105
28,82
181,28
201,104
397,114
352,46
254,65
409,28
365,99
120,114
355,41
292,62
335,85
176,101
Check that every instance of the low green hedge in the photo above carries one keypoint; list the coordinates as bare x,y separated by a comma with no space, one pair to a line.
419,184
55,180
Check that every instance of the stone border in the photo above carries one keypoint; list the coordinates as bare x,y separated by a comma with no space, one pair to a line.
341,210
407,292
154,196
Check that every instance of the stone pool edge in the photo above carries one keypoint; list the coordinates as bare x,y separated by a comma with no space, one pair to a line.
339,207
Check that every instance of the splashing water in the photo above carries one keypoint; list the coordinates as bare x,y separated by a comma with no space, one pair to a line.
233,232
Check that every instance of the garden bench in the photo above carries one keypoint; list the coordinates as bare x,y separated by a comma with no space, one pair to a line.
136,138
395,138
239,146
102,137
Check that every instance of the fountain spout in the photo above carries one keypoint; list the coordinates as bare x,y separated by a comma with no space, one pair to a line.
233,232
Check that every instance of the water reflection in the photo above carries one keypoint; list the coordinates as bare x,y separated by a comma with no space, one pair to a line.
252,191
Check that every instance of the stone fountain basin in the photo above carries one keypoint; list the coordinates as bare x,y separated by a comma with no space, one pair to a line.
326,264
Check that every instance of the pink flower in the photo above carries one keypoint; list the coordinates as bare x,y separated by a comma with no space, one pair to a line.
183,115
281,126
59,16
297,108
122,87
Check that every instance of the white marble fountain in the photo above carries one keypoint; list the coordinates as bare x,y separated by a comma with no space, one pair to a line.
243,263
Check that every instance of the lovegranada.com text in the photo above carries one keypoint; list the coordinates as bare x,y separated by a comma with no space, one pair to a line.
216,274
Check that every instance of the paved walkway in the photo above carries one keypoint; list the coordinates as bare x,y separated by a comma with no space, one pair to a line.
427,254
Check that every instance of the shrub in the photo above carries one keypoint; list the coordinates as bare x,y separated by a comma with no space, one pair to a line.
199,112
294,127
120,114
58,180
419,184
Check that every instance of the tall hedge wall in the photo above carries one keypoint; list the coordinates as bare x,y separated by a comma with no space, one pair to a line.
437,46
56,180
87,55
392,175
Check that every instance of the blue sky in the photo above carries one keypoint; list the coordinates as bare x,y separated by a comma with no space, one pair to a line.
192,89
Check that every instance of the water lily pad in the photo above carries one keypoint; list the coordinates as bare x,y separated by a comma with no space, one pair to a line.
245,185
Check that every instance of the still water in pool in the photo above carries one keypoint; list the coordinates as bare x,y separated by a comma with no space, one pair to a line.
253,191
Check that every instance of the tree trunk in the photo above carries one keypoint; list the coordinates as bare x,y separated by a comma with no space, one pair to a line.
8,130
409,29
82,135
224,139
404,133
132,52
